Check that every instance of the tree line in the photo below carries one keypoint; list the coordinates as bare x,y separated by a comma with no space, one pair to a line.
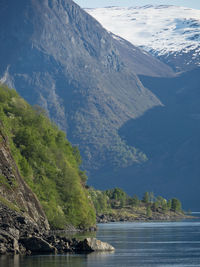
116,198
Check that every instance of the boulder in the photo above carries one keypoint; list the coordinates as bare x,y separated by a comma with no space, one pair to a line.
92,244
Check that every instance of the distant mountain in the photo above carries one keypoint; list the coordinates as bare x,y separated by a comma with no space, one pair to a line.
58,56
171,33
169,134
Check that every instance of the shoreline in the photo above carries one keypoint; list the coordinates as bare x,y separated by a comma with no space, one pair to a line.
133,217
19,234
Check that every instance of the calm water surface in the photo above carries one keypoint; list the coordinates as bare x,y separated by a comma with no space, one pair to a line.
137,244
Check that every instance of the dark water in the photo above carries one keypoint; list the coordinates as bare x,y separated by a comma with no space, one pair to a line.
137,244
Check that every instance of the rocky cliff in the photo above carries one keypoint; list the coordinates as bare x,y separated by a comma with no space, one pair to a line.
14,192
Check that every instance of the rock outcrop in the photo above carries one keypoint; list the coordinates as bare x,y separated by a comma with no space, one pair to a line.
8,243
14,228
21,235
92,244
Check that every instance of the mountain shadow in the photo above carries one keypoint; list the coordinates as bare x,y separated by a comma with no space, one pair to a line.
169,136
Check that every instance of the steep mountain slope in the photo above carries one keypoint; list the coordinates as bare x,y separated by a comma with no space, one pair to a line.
14,192
170,33
58,56
33,151
140,61
169,135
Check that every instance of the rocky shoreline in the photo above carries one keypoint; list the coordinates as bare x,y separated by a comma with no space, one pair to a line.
170,216
19,234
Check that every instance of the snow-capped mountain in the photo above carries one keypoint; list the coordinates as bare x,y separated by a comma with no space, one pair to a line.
171,33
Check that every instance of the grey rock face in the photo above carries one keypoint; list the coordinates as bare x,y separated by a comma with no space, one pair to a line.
58,56
8,244
140,61
14,226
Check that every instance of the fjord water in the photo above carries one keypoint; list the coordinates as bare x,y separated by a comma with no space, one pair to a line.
137,244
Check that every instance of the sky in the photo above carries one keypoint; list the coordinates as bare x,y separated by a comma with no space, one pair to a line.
127,3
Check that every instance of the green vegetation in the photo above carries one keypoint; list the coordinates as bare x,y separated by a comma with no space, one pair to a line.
9,184
9,204
148,211
47,161
113,200
146,198
175,204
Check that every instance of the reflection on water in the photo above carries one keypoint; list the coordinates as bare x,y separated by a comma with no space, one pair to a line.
154,243
137,244
74,260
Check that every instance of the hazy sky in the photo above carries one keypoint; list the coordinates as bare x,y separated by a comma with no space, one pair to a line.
103,3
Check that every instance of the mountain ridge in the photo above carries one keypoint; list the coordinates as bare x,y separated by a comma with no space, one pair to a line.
71,66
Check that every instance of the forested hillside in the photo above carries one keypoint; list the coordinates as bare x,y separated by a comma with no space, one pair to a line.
47,162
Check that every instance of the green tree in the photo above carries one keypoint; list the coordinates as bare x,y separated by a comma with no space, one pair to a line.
155,206
176,205
135,200
145,198
169,204
162,202
117,196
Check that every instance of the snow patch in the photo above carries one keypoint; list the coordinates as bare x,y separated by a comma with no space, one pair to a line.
164,29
